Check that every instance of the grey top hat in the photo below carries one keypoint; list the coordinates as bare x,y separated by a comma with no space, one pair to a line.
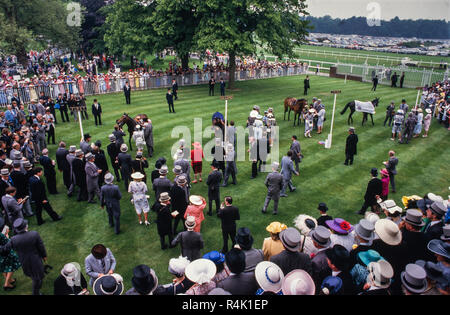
291,239
164,196
321,235
4,172
163,170
414,217
112,138
181,180
365,229
414,278
434,271
20,225
438,208
18,155
79,152
27,164
72,149
90,156
177,169
17,163
446,233
109,178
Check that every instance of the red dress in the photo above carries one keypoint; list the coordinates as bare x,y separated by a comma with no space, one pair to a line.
196,158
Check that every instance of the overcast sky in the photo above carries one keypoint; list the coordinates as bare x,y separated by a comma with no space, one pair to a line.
404,9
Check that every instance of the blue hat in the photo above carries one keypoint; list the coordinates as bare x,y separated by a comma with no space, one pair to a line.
215,256
369,256
332,284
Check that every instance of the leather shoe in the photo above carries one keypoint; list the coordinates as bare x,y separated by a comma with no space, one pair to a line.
58,218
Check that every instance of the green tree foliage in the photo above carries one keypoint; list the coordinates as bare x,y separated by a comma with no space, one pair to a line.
32,22
239,26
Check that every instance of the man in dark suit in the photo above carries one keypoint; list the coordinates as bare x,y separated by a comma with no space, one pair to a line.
63,164
391,165
113,152
402,80
97,112
394,79
228,215
213,182
212,83
70,158
79,173
339,262
350,146
323,214
110,196
320,237
306,85
291,258
374,189
127,92
239,282
20,181
180,200
222,87
31,251
375,83
148,136
435,212
49,171
175,88
100,161
413,240
169,98
124,160
39,197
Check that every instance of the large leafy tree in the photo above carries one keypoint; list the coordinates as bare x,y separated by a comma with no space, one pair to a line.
239,26
25,24
92,30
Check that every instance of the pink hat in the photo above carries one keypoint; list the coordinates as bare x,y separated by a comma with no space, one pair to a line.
298,282
384,172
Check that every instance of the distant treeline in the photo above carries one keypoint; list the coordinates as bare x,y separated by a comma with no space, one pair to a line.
435,29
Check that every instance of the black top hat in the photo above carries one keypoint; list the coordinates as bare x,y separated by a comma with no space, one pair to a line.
323,207
235,260
144,279
20,225
99,251
339,256
160,162
244,238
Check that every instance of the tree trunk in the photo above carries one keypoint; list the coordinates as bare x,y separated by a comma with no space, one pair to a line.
184,61
232,69
22,56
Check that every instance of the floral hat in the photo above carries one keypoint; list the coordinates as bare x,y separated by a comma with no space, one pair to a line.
339,225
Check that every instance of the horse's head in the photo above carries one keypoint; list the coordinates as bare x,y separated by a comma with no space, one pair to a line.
122,120
376,101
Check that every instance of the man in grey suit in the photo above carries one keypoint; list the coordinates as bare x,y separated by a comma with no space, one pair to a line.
287,168
92,174
185,165
191,242
148,136
296,152
13,207
239,282
162,184
70,157
110,196
231,168
99,263
274,183
84,144
31,251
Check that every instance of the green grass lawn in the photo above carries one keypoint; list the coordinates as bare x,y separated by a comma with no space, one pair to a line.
323,178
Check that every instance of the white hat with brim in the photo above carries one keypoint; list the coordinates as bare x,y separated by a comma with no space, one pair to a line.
201,271
428,111
388,232
298,282
137,175
312,110
196,200
269,276
123,148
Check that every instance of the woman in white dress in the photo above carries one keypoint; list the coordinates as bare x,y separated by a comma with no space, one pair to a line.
138,137
309,116
139,189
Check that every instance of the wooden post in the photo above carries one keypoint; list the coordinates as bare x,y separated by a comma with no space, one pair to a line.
330,135
78,110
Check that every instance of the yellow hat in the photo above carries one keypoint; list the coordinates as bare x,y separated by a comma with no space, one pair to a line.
276,227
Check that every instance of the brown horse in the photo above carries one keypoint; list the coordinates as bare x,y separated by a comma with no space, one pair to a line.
296,105
131,123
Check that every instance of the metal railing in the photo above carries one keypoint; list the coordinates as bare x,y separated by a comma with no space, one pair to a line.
142,82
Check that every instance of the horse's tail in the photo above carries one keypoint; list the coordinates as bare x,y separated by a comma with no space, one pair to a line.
345,108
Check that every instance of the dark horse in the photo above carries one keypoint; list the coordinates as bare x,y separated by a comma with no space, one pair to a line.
351,105
131,123
296,105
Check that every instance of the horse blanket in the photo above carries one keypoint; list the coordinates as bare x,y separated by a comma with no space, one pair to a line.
364,107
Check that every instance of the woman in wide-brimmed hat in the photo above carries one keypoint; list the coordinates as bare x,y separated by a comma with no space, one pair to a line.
341,233
180,283
272,245
201,272
71,281
298,282
195,209
269,277
305,224
427,122
218,258
140,200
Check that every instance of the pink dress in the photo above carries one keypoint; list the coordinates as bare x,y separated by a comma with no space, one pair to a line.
197,212
427,122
